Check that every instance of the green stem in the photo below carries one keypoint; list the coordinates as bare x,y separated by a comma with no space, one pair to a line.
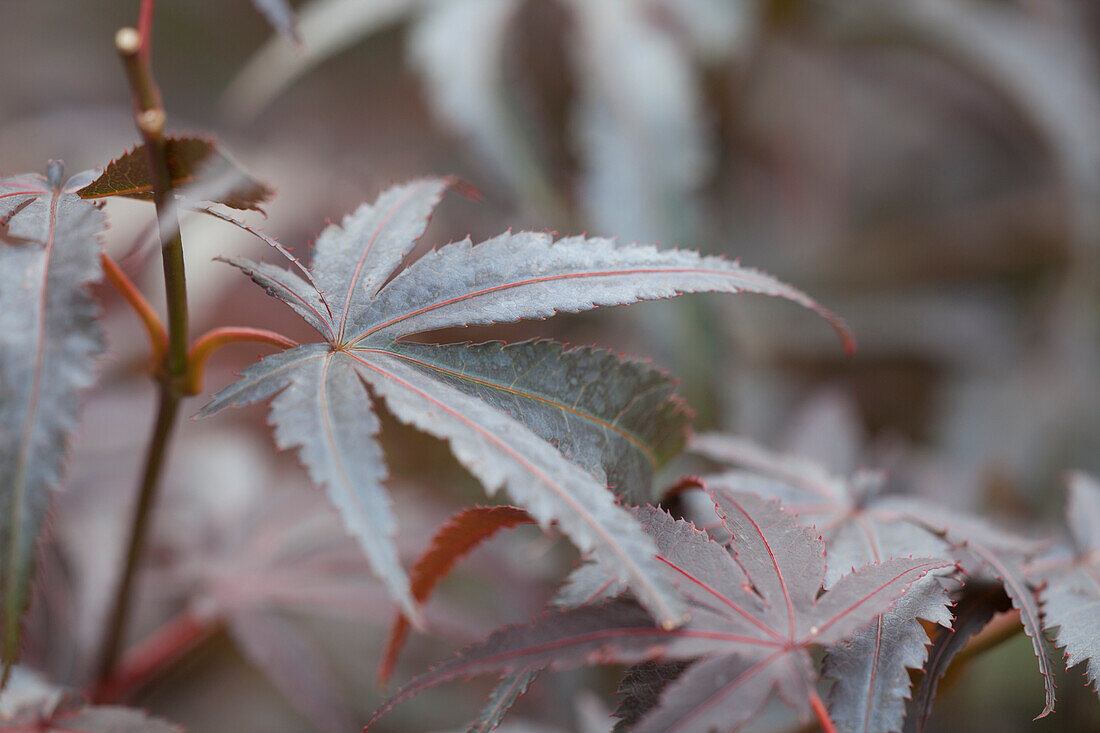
167,408
133,48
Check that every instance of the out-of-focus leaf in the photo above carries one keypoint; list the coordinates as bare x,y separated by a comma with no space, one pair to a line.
465,83
979,603
195,165
49,338
511,277
261,560
458,537
1019,58
717,29
325,28
280,15
1070,592
29,703
280,651
756,609
845,510
639,123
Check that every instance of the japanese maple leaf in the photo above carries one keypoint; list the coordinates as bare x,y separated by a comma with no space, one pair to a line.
1071,586
859,523
489,401
757,608
49,339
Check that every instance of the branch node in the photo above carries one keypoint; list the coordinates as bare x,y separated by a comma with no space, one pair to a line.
128,41
151,122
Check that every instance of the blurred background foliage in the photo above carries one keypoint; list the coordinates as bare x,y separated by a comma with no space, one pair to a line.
929,169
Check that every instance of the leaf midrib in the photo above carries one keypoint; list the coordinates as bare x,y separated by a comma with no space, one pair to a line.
367,250
747,274
12,596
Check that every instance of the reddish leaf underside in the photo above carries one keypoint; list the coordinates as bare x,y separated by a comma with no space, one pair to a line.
458,537
192,161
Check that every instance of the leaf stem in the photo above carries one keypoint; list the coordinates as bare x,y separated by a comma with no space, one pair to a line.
167,409
147,658
158,337
821,712
133,49
216,338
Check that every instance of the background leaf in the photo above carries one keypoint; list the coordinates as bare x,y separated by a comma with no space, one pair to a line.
31,703
280,15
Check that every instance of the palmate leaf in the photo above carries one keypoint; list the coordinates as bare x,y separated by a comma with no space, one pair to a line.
757,607
625,423
985,553
362,315
860,523
49,338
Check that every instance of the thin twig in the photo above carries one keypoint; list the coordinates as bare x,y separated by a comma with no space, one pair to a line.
133,48
216,338
158,337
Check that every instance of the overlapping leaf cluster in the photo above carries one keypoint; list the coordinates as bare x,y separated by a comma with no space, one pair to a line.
861,522
756,605
549,424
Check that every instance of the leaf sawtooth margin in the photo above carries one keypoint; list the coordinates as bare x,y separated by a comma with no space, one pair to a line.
49,340
529,275
507,278
321,408
460,535
751,621
857,524
1070,591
